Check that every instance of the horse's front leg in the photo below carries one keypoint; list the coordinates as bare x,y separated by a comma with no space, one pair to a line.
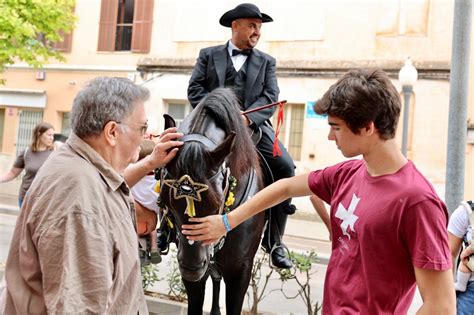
216,288
236,285
195,293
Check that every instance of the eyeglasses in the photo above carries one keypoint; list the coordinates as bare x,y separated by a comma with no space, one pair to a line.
143,127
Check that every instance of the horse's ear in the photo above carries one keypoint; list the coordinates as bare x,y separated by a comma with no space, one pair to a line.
223,150
169,121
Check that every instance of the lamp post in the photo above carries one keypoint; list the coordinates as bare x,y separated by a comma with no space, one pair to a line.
407,77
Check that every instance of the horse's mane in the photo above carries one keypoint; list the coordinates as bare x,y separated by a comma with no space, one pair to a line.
222,106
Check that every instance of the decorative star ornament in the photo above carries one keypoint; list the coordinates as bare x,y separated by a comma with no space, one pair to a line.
186,188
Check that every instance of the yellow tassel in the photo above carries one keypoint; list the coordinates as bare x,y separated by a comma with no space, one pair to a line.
157,187
230,200
190,210
170,223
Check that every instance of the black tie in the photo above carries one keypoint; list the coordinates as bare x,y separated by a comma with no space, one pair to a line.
245,52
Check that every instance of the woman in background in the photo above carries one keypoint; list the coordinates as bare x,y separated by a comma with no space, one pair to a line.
32,158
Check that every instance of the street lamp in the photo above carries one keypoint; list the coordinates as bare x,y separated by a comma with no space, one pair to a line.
407,77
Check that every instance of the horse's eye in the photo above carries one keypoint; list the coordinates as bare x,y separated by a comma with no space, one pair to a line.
186,189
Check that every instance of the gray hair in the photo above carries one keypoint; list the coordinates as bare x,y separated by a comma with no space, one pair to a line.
102,100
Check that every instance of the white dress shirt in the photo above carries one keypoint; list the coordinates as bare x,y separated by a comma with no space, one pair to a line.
238,60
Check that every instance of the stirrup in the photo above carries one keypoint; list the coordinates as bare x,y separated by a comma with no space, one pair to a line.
272,250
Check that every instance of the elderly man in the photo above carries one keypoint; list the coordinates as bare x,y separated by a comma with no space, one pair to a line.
251,74
74,249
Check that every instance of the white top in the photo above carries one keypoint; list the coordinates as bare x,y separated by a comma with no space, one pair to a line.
239,60
144,193
460,226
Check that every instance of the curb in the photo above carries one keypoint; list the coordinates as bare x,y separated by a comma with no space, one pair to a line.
12,210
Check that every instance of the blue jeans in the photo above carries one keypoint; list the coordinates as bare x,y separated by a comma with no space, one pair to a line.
20,202
465,300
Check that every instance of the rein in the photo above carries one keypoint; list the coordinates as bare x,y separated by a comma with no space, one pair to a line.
276,146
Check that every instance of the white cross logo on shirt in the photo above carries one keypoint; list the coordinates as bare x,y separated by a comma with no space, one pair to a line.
347,216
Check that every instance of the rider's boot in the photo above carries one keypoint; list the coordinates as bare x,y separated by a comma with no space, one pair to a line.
272,240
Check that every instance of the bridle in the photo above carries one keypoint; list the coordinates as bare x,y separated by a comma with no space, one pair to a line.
187,187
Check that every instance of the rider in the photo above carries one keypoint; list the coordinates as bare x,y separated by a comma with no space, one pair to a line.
251,74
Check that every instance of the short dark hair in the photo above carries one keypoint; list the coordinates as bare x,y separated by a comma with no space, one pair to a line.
360,97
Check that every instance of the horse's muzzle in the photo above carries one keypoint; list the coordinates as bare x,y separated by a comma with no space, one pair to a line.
193,272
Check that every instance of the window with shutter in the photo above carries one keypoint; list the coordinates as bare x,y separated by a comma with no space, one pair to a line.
142,23
125,25
65,44
107,24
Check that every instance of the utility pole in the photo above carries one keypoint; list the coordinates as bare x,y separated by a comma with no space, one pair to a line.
458,98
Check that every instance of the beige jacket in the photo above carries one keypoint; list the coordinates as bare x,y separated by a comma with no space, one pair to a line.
74,248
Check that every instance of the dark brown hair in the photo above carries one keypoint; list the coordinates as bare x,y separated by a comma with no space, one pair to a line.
146,148
362,96
40,128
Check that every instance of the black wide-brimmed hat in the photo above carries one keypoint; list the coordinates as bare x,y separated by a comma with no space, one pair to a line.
244,10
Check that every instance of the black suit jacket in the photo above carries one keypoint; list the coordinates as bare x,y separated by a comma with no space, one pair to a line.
261,87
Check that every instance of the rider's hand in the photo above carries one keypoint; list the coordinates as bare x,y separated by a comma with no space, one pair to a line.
166,147
207,229
245,119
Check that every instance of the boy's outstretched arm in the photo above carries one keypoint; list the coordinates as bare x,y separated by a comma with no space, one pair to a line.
209,229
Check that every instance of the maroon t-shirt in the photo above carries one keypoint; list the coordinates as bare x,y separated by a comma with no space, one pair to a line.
382,227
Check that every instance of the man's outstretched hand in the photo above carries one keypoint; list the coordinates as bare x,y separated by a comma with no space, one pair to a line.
207,229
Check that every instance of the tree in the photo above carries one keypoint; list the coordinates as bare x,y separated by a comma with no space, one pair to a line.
29,29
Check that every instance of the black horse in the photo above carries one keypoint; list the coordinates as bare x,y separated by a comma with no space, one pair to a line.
200,181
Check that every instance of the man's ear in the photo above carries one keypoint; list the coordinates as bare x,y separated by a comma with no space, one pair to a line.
369,129
110,132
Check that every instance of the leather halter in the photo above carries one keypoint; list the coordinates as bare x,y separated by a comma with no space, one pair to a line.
223,168
199,138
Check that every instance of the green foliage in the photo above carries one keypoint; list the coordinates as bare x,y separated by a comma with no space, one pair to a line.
302,263
175,283
149,275
28,28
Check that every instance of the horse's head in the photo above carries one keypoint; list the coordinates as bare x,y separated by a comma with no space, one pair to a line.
195,184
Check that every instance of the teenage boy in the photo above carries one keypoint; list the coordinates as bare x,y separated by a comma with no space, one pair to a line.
388,225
